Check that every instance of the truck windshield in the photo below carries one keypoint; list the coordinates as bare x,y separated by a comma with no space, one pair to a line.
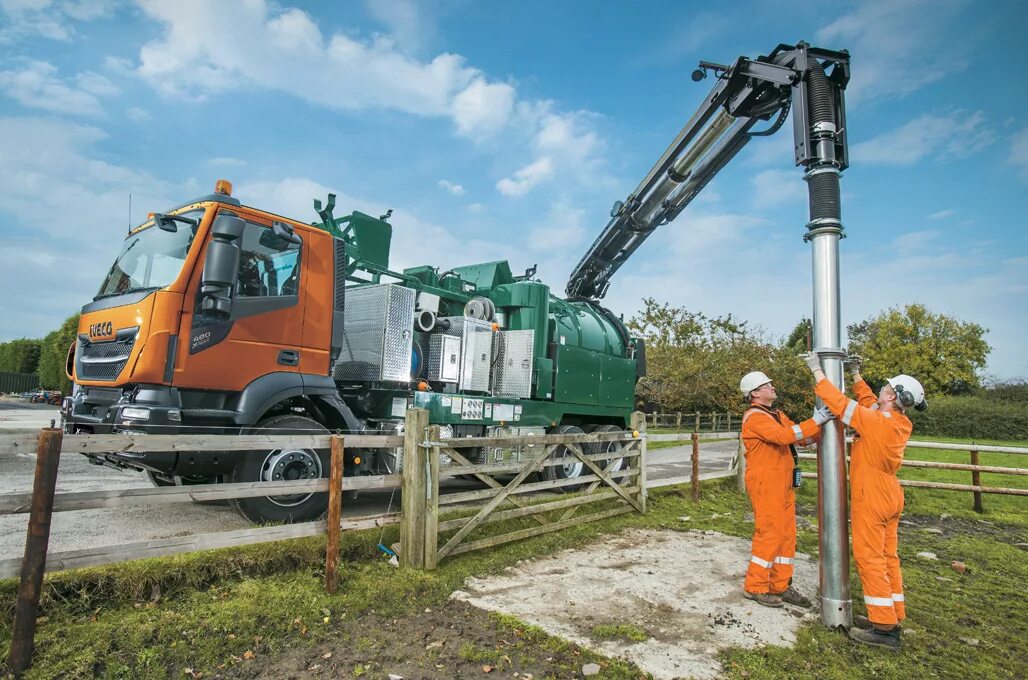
150,258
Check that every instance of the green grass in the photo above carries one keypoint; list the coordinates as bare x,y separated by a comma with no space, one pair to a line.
154,618
624,631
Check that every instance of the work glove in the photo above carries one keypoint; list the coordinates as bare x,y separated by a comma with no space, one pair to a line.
822,415
812,359
852,363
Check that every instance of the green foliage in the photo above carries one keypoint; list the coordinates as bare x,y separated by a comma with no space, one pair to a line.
54,355
19,356
944,353
1012,392
972,417
695,362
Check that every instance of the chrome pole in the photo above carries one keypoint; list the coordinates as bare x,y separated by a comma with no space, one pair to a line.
832,507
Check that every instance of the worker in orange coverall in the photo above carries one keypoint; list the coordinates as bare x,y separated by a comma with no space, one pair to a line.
883,430
769,437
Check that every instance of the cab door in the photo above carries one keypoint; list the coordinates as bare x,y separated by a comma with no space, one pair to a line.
263,332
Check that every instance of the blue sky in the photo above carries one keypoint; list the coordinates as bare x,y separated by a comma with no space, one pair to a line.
506,131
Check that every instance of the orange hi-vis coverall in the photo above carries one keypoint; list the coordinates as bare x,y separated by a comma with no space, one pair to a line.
876,496
767,434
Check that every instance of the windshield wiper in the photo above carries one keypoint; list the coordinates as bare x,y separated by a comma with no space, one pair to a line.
137,289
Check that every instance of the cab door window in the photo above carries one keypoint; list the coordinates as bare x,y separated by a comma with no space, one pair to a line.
269,266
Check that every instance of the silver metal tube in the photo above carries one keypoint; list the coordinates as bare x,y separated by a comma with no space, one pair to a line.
833,534
683,165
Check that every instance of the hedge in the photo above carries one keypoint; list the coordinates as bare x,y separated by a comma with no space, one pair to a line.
972,417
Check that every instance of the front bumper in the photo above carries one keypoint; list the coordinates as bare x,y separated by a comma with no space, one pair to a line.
140,410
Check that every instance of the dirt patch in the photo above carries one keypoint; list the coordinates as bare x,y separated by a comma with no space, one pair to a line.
683,589
455,640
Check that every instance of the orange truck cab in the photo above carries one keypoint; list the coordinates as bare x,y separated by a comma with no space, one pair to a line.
203,325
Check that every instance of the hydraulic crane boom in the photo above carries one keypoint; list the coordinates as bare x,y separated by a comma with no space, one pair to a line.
792,76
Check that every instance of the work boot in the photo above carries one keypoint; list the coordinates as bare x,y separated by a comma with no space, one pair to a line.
865,623
887,639
766,599
794,597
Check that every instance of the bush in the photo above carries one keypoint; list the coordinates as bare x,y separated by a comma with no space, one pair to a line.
972,417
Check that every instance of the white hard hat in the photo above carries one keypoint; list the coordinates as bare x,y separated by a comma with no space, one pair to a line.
909,391
752,381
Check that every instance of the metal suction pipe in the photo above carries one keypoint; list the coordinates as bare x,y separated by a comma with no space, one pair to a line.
824,230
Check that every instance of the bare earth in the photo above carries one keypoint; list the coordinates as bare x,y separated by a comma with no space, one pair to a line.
683,589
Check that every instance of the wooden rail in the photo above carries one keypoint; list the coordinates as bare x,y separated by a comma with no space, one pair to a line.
975,468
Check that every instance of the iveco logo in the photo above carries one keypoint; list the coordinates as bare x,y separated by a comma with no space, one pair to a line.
101,329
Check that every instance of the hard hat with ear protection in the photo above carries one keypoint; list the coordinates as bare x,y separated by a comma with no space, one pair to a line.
909,392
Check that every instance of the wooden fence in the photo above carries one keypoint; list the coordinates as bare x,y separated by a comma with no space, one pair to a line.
622,489
974,467
697,421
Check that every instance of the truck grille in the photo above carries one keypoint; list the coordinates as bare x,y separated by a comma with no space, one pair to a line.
104,360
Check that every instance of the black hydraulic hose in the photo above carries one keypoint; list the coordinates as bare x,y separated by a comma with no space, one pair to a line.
823,176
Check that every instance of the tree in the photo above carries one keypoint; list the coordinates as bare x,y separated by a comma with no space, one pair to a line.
19,356
946,354
695,362
54,355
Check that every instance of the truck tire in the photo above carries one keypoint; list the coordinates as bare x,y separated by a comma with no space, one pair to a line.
282,464
572,469
606,447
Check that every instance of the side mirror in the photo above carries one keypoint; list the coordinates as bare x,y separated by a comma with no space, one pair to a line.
167,222
285,232
221,268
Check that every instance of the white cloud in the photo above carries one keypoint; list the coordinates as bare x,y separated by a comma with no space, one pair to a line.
774,188
49,19
36,85
226,162
942,214
1019,153
952,136
62,208
914,240
527,177
209,47
138,115
561,230
412,27
898,48
455,189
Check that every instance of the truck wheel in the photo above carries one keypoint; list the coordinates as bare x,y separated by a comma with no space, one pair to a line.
606,447
572,467
282,465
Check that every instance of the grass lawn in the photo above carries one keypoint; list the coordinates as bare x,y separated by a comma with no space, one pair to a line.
233,612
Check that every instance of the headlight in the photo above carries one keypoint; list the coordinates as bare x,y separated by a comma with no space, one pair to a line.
135,413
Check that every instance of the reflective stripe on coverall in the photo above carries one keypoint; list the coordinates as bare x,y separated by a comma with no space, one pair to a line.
769,466
876,496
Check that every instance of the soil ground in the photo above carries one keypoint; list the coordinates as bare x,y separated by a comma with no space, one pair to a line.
665,601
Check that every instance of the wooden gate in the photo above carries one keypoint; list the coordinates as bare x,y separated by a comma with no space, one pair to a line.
621,486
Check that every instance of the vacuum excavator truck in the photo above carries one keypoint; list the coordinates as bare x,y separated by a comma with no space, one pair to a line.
223,318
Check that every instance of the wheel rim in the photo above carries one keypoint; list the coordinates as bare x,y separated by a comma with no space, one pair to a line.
616,463
573,468
288,465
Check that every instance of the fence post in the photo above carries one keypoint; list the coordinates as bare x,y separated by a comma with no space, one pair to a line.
432,502
412,493
335,511
728,415
639,425
696,426
694,479
713,422
678,422
37,540
976,479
